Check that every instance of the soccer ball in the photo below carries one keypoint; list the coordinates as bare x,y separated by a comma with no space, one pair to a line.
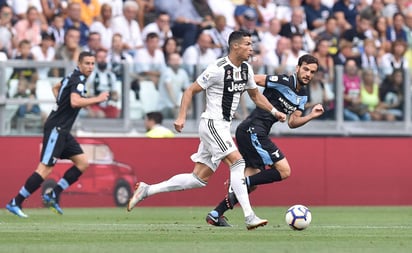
298,217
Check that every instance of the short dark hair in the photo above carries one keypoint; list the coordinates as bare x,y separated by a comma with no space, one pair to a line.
308,59
157,117
84,54
236,36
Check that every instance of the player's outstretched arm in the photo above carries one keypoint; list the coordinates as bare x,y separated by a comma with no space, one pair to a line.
297,120
184,105
262,102
77,101
260,80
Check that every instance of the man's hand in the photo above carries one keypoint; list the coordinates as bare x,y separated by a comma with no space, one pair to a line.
179,124
280,116
317,110
103,96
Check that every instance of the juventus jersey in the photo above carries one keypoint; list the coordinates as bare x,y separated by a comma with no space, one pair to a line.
282,94
224,83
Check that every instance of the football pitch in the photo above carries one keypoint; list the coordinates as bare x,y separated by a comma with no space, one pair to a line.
183,229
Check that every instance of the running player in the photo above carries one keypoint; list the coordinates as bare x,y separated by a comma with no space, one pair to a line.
223,81
70,96
288,95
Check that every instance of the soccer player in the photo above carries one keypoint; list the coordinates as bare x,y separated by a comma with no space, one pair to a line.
70,96
223,82
287,94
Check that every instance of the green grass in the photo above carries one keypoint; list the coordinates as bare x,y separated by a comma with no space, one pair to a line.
98,230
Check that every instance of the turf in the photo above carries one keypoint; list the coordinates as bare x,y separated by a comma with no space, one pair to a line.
97,230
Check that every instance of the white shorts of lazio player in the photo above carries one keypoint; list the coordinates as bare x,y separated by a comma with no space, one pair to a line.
216,142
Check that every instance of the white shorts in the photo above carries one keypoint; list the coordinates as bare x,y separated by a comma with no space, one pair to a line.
216,142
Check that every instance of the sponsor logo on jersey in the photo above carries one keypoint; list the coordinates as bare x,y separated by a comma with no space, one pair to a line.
273,78
286,105
276,153
205,77
237,87
80,87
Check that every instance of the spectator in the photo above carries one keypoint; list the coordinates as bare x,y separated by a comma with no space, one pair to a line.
249,26
275,60
345,12
198,56
44,52
268,10
117,57
128,27
94,42
154,128
150,61
331,34
90,10
220,35
379,31
161,27
57,29
225,8
73,19
173,82
186,21
353,109
52,8
397,31
296,51
205,12
369,57
103,79
23,53
169,47
26,90
117,6
373,11
320,92
250,6
70,50
298,25
271,36
147,12
369,95
325,60
345,53
7,30
284,10
395,59
391,94
358,34
103,26
316,14
29,28
21,8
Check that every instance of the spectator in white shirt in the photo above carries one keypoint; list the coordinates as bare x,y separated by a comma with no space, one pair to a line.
149,60
173,82
127,25
104,26
198,56
161,26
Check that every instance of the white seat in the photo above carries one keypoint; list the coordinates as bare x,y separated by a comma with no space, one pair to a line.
149,96
136,109
44,92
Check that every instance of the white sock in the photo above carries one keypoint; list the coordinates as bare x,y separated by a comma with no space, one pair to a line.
237,181
177,183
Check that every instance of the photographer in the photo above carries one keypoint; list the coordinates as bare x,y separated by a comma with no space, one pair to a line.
103,79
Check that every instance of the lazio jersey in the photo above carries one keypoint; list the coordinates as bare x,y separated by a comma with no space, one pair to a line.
281,92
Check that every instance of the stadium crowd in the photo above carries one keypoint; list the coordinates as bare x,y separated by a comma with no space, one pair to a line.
169,43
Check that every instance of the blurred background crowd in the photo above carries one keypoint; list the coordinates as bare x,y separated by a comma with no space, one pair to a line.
167,43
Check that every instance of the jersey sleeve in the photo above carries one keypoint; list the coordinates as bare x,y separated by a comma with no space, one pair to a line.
209,76
251,84
79,87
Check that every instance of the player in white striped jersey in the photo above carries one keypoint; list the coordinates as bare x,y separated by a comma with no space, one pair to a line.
224,81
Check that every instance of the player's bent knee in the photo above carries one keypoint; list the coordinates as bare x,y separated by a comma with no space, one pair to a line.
284,174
